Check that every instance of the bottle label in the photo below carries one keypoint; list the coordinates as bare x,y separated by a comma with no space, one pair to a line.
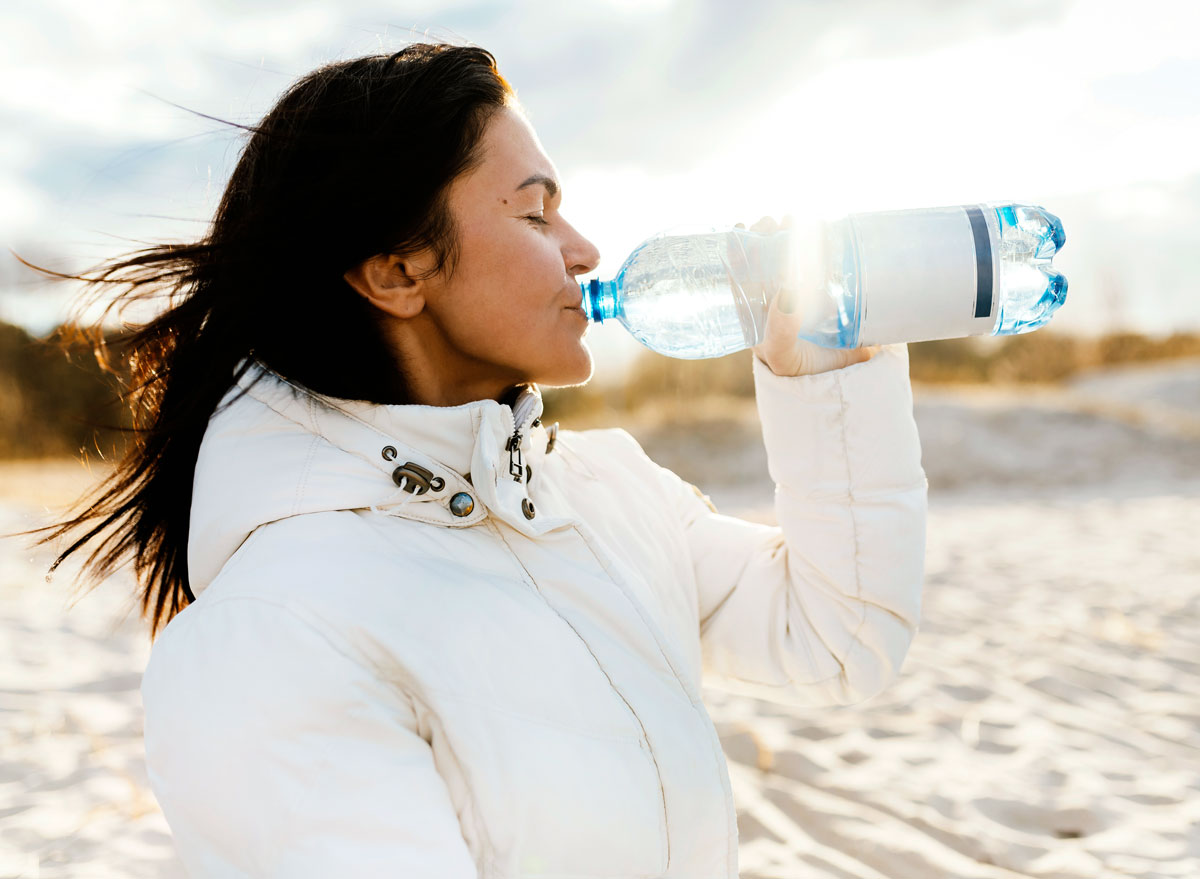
926,274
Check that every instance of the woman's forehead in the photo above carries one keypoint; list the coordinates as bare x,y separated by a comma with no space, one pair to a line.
513,155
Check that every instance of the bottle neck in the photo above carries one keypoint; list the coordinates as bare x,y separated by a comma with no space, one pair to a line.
601,299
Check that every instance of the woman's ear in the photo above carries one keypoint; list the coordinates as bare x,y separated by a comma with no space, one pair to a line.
391,283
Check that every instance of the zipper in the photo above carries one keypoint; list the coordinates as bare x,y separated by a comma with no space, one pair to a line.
516,463
520,412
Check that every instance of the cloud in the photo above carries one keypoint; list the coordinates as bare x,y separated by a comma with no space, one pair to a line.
670,87
1170,89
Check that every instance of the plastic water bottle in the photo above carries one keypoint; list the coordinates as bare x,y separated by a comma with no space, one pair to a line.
866,279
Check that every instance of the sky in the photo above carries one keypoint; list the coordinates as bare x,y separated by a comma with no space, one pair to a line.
657,113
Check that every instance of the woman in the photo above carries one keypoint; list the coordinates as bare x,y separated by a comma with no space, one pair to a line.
413,631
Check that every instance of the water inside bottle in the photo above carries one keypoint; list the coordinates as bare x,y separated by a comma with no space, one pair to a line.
693,296
1031,289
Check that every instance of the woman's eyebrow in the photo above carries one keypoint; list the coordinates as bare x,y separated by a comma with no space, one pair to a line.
549,182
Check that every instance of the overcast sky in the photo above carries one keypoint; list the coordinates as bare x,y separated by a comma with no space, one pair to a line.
656,112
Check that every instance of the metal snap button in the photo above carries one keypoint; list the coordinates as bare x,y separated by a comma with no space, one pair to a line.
527,508
462,504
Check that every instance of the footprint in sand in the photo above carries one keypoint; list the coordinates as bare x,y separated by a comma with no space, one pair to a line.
1067,823
965,693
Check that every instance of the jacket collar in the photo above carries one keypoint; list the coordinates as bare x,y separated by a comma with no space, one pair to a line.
275,449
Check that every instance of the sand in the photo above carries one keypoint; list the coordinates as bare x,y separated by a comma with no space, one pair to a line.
1046,722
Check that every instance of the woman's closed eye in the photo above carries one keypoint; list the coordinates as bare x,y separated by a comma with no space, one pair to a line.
537,220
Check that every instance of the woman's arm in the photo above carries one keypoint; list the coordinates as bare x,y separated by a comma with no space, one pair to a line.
273,754
822,608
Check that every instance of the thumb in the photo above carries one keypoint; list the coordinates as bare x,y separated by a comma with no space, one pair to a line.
787,300
784,321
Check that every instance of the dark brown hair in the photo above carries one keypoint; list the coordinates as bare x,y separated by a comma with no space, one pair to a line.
354,160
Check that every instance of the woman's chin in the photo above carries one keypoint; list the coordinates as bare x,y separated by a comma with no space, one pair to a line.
576,370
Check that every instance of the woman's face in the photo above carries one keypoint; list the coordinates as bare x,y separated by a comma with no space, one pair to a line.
510,311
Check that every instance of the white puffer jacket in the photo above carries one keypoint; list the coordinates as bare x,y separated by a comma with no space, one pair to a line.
371,685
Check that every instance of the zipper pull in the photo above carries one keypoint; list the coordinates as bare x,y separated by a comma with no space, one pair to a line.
516,463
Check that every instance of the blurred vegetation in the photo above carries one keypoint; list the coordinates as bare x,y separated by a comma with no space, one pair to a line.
1041,357
55,400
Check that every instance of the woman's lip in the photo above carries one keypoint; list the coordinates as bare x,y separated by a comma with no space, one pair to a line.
578,309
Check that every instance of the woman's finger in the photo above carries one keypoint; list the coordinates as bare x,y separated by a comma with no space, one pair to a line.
765,226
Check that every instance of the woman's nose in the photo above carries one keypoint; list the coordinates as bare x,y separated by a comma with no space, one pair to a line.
581,255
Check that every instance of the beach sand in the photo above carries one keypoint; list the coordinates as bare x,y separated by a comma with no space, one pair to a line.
1046,722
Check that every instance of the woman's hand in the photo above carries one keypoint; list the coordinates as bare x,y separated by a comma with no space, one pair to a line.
781,349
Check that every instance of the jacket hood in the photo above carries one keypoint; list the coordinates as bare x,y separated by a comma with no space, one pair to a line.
275,449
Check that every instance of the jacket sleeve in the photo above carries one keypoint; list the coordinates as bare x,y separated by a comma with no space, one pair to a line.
273,754
822,608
